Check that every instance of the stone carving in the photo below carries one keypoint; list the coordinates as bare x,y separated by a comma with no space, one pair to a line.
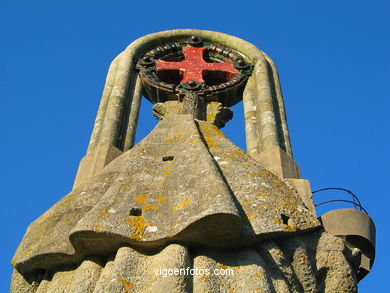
185,196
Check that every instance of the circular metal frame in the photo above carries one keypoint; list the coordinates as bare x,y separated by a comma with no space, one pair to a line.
162,85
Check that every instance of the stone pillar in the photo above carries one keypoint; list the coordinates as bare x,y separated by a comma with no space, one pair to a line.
116,121
267,135
94,141
133,116
265,121
110,132
251,123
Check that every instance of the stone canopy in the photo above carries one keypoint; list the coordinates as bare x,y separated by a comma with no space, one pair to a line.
185,197
185,182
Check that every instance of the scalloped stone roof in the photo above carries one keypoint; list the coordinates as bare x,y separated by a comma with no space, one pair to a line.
185,182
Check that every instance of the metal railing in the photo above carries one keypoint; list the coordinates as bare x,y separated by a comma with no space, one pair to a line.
355,200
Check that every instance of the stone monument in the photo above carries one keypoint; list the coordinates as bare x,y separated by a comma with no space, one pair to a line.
185,197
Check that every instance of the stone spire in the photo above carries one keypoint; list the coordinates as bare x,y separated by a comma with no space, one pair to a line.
185,197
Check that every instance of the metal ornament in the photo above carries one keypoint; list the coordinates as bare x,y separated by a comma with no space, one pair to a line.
207,70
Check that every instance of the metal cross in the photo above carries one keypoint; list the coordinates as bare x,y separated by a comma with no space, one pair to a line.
193,65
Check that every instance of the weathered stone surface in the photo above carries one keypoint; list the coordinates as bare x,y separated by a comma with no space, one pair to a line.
47,239
303,188
95,161
279,162
169,108
20,284
186,198
170,178
194,106
217,114
332,259
310,262
86,276
358,229
263,93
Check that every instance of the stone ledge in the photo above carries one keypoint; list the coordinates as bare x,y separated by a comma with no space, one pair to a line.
95,161
302,186
278,162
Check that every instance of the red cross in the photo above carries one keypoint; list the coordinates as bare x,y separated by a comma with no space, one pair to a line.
193,65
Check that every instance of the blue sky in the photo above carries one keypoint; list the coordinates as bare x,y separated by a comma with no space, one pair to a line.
333,61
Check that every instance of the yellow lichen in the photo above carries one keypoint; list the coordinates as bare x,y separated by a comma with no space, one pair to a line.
210,117
222,266
150,207
269,173
127,285
250,217
253,174
181,205
167,172
138,225
161,198
173,138
261,194
255,276
277,184
288,228
98,227
278,251
135,236
303,259
210,141
141,198
123,186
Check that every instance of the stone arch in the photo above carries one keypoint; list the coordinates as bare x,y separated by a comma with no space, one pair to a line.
267,136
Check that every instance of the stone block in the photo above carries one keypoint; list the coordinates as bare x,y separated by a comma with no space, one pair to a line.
302,186
358,230
278,162
95,161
